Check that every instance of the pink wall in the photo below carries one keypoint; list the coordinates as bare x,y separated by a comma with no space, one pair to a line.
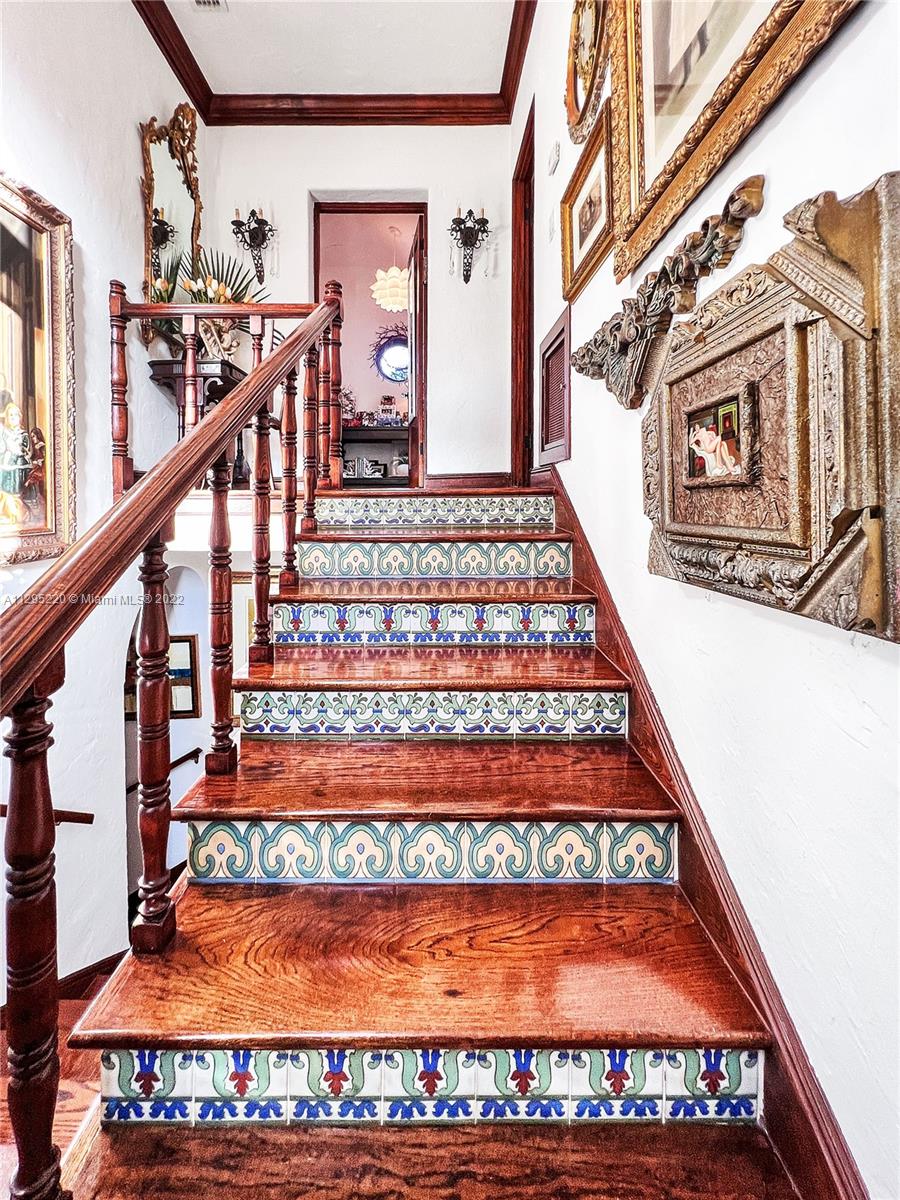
352,246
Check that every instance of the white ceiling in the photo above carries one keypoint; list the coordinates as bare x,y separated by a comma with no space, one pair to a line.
356,46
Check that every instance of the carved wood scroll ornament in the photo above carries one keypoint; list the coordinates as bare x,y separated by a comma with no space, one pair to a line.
785,383
626,350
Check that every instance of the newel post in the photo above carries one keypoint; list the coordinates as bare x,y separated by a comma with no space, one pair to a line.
154,925
32,1006
325,411
333,291
308,523
221,758
288,576
122,465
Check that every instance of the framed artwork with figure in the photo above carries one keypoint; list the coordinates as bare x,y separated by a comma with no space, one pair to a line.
37,382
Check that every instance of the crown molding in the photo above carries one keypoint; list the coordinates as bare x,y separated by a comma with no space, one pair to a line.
454,108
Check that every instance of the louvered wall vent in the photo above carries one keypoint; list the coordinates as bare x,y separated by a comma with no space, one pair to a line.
211,5
555,374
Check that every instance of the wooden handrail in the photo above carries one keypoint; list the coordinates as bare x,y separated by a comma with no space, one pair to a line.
37,627
203,312
62,816
191,756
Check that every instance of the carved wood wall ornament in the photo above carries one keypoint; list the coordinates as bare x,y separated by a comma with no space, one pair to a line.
625,351
813,338
650,197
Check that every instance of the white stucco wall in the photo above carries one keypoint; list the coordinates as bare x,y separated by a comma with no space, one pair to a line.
76,81
788,728
284,168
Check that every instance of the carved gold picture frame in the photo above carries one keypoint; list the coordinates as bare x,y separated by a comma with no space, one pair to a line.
180,136
777,53
577,272
38,439
584,80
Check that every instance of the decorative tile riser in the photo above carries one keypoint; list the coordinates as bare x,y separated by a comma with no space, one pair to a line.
290,715
435,560
428,511
296,852
417,624
402,1087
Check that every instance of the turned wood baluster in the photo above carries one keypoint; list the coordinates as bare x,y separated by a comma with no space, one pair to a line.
122,466
325,411
221,759
154,925
32,1003
261,646
308,523
288,576
333,291
191,404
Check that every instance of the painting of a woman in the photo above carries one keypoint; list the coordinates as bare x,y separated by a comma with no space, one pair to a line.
15,466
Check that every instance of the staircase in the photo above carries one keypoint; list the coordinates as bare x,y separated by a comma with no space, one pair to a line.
440,890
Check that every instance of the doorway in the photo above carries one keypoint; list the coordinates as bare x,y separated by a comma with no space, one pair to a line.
378,253
522,410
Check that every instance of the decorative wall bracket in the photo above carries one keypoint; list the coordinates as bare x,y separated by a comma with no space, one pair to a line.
627,351
254,234
468,232
784,383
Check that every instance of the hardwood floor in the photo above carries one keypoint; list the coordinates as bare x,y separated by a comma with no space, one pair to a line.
385,780
455,965
342,668
622,1162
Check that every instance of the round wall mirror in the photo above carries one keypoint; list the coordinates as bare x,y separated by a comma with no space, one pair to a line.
389,354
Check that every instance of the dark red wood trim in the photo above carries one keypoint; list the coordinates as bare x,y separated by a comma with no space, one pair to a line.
165,32
522,374
798,1117
559,451
446,483
516,49
430,109
61,816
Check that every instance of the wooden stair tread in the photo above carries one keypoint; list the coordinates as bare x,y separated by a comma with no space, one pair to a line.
399,780
587,1162
356,493
436,533
474,591
410,667
454,965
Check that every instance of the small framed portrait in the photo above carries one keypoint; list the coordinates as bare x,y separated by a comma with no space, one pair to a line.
720,440
586,211
184,676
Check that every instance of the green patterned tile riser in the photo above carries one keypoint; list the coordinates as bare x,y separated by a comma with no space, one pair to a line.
514,559
429,510
446,851
406,1086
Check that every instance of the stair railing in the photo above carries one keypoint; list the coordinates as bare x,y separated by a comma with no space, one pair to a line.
34,633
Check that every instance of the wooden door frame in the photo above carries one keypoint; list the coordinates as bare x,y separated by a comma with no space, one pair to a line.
522,328
413,207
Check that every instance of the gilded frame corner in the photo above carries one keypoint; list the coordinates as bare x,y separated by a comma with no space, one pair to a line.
43,216
575,280
581,119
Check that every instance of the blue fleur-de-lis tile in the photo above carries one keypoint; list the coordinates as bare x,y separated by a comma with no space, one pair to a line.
143,1086
712,1084
429,1085
642,851
598,714
337,1086
616,1085
241,1086
522,1085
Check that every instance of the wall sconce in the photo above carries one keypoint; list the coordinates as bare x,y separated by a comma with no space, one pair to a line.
254,235
161,235
468,232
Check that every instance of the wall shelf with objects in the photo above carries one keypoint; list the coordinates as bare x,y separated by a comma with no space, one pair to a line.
372,433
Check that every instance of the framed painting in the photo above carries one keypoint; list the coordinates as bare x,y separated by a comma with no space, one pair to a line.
586,66
184,678
586,211
690,80
37,378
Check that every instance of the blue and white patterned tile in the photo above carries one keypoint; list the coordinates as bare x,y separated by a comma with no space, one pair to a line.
223,851
642,852
335,1086
322,714
268,714
499,851
522,1085
551,560
566,851
240,1086
293,851
487,714
513,559
598,714
616,1085
361,851
430,851
378,714
429,1085
713,1085
542,714
433,714
154,1086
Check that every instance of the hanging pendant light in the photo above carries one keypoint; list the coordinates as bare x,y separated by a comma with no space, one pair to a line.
390,290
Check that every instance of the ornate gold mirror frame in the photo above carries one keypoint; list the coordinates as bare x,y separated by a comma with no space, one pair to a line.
37,378
586,66
793,32
180,135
